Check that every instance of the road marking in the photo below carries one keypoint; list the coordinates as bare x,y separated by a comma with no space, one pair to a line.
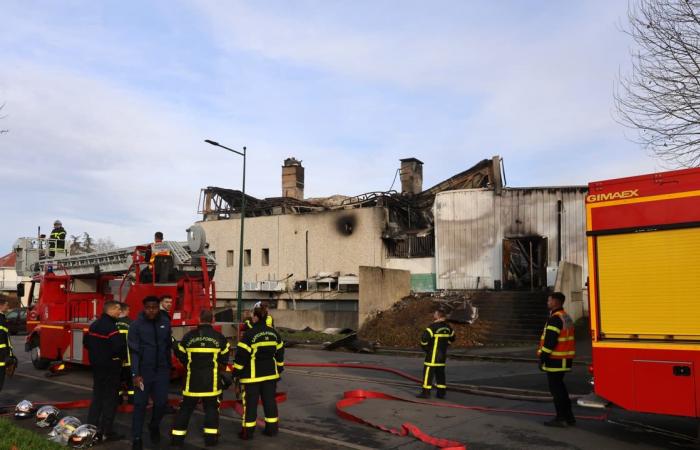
221,416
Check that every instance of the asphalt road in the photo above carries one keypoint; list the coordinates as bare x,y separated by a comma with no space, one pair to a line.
308,419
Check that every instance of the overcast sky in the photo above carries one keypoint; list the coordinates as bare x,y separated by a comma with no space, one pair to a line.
108,103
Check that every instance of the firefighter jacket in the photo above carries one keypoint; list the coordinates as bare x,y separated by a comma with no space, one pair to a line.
106,347
5,345
434,342
268,321
557,345
259,355
204,352
150,344
57,239
123,327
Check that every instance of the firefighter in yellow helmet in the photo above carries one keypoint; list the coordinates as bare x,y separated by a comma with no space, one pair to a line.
258,365
204,352
434,342
556,352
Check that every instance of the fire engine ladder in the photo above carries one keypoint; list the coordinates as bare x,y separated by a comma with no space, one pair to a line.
118,261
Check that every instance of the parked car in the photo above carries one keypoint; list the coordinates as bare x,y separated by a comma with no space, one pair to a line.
17,320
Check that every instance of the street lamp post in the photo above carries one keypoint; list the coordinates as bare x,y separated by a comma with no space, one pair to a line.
239,302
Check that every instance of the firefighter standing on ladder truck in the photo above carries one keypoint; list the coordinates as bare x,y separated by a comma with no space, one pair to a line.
556,352
434,341
204,352
127,381
258,365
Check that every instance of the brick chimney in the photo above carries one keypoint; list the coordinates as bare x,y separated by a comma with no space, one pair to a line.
411,176
293,179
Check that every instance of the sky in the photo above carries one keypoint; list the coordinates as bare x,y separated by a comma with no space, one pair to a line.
107,104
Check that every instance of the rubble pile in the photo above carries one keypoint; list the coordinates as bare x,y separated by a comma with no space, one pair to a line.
402,324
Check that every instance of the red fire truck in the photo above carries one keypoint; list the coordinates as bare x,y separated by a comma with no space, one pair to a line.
67,292
644,290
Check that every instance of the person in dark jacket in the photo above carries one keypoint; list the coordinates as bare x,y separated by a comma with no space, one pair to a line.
7,356
204,352
434,342
258,365
150,345
106,349
125,380
57,239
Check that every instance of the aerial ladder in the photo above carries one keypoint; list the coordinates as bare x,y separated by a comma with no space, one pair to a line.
67,292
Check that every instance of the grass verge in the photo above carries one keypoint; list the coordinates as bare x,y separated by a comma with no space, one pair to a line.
13,437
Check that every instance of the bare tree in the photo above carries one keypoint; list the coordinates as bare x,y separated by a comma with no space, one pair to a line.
104,244
661,96
2,130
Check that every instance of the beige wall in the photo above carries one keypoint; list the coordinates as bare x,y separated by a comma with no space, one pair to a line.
285,237
413,265
380,288
316,320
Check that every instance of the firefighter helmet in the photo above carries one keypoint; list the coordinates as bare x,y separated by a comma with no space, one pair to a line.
47,416
85,436
57,223
24,409
64,429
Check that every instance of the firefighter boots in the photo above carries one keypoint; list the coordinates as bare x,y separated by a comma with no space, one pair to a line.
441,393
424,393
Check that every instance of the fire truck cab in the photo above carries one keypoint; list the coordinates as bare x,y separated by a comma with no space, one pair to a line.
644,290
67,293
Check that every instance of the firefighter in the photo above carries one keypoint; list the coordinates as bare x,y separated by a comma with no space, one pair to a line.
204,352
106,350
434,342
556,352
127,383
57,239
7,356
258,365
151,348
248,324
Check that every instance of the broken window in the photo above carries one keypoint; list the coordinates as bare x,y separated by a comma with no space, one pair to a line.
266,257
247,257
411,247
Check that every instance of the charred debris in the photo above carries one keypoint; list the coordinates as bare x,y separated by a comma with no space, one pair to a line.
409,230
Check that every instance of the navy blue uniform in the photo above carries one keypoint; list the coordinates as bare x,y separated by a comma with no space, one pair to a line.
150,346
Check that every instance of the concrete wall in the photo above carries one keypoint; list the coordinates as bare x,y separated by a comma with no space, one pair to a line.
422,272
330,249
316,320
380,288
470,226
569,284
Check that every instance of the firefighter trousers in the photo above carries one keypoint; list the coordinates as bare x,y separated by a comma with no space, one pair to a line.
103,407
434,371
562,402
211,418
126,383
3,370
250,394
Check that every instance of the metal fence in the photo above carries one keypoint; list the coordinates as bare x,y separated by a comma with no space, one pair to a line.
412,247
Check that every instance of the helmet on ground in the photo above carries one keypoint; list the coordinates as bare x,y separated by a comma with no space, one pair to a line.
47,416
24,409
85,436
64,429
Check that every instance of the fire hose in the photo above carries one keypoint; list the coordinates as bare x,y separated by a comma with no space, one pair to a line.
356,397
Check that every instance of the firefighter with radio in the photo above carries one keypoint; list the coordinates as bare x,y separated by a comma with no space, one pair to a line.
258,364
8,361
434,342
127,382
204,352
556,352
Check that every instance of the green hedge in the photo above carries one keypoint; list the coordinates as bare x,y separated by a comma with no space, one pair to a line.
13,437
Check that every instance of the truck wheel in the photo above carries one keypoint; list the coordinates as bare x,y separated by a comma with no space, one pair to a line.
35,352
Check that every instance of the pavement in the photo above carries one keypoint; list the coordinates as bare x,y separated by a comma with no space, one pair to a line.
308,419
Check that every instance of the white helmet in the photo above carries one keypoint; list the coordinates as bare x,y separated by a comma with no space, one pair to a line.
24,410
57,223
47,416
64,429
85,436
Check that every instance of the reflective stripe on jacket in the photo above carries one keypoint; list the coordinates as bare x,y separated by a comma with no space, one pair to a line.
105,346
434,341
557,344
57,239
204,353
268,321
5,345
259,355
123,327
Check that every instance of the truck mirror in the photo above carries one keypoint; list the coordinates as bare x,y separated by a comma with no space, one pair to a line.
20,290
